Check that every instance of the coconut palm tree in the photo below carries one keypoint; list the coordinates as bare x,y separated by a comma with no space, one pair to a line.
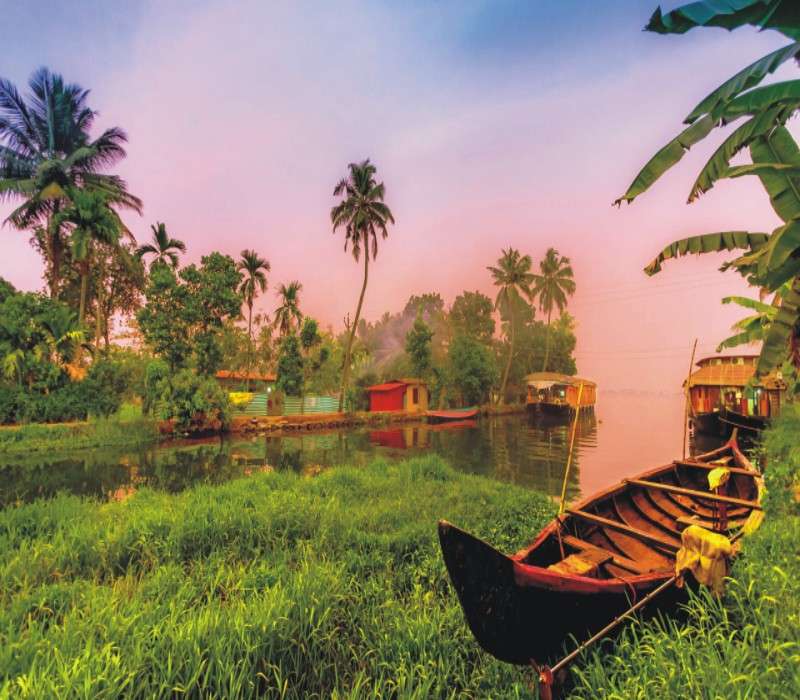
164,248
255,280
514,278
552,286
46,153
363,214
91,219
288,314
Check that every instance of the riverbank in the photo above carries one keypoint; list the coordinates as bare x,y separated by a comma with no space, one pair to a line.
329,421
745,646
63,437
273,584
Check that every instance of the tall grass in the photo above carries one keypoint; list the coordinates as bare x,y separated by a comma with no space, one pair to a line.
275,585
746,645
41,437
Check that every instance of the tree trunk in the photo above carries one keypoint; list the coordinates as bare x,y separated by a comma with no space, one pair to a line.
502,398
84,289
54,250
547,343
346,368
249,340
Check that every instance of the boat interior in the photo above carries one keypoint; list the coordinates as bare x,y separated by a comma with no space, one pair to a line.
635,527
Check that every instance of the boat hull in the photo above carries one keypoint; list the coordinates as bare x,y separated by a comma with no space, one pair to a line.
752,425
597,559
519,619
708,423
451,416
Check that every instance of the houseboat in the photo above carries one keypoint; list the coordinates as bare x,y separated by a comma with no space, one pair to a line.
550,393
724,394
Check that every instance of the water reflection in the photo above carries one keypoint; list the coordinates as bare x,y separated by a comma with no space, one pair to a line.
625,438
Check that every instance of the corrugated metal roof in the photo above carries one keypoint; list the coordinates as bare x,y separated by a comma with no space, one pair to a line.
728,374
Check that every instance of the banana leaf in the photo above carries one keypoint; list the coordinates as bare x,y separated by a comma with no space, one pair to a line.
776,344
743,338
748,303
718,164
778,147
758,99
708,243
668,156
744,80
760,168
783,243
782,15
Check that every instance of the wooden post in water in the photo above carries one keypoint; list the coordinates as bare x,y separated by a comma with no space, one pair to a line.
688,404
569,454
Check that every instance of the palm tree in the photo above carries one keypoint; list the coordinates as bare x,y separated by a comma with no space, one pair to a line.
46,153
363,215
552,286
514,278
288,314
255,280
164,247
91,219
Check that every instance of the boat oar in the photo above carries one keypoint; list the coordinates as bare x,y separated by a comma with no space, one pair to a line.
566,470
548,673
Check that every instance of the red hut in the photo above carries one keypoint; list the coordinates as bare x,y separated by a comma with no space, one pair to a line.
399,395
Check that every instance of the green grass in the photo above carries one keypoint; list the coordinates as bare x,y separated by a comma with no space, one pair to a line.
746,645
39,437
274,585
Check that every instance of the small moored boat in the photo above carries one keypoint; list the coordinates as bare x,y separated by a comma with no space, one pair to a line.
458,414
596,560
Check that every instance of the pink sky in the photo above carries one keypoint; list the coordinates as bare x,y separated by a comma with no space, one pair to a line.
242,118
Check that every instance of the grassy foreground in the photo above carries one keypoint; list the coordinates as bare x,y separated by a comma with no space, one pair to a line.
745,646
274,585
43,437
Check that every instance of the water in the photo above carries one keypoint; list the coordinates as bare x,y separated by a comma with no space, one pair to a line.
628,433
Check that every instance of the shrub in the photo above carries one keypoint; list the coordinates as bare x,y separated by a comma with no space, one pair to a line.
155,374
193,403
105,386
8,404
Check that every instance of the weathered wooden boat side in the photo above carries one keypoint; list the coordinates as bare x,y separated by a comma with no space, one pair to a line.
458,414
524,608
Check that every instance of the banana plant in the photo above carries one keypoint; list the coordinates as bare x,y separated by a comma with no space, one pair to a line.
768,260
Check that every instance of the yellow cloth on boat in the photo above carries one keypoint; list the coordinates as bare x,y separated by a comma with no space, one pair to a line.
753,522
705,554
718,477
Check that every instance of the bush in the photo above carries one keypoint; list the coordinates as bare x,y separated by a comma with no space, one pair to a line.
155,374
105,386
193,403
8,404
67,403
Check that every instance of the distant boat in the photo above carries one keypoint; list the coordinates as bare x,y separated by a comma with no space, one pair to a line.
587,567
457,414
723,396
551,393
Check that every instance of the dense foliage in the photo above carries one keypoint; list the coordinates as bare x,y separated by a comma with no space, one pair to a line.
771,260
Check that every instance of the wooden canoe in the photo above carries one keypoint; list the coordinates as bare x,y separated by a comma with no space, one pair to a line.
524,608
456,414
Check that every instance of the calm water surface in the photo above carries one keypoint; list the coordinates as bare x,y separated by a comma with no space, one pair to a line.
628,433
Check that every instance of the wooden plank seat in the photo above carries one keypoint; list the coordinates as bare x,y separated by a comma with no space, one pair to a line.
707,495
648,537
618,559
585,563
